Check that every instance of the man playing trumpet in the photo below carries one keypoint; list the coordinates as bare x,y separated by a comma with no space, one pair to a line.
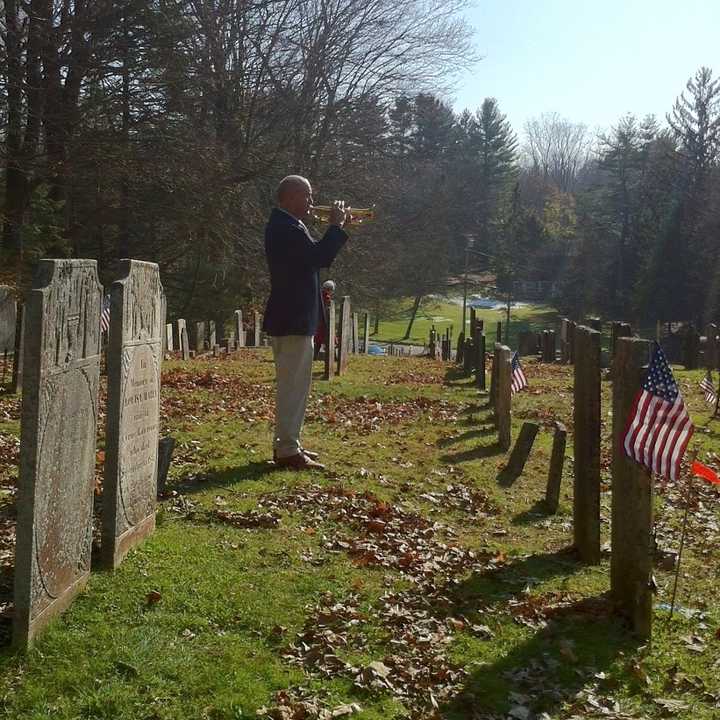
293,309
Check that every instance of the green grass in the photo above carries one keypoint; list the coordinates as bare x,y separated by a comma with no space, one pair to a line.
444,314
403,430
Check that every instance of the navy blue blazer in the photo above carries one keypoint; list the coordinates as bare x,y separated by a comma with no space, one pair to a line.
294,259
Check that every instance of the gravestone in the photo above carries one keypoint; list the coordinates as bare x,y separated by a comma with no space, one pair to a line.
257,323
366,342
345,345
632,498
57,453
691,348
180,324
527,343
479,359
184,343
169,337
557,460
473,322
133,409
8,315
503,399
498,332
18,352
239,329
460,352
564,340
212,334
355,334
199,336
166,446
549,348
330,342
712,347
618,329
571,341
587,426
468,357
492,398
520,453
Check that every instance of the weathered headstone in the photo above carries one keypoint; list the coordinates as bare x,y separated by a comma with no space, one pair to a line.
8,317
586,419
527,343
498,332
330,342
557,460
133,409
549,348
166,446
169,346
212,334
345,343
366,335
18,352
473,322
520,453
479,359
632,497
199,336
57,453
571,341
239,329
503,400
564,323
468,357
184,343
492,398
257,322
179,325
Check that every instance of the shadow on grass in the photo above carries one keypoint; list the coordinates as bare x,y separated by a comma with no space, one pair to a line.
507,476
531,515
476,453
550,667
250,472
467,435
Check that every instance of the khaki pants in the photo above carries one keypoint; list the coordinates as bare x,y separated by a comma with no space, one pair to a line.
293,356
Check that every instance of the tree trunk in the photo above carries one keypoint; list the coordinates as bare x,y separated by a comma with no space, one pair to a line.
416,305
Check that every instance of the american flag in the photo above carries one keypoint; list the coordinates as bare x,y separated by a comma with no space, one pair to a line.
518,381
706,384
105,314
659,427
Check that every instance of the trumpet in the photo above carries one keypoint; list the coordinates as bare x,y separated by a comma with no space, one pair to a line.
322,213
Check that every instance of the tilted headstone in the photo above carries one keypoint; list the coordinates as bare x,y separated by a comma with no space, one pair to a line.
166,446
184,344
587,426
557,460
239,329
366,336
520,453
632,498
57,453
179,325
8,315
133,409
503,399
169,345
257,323
18,352
345,345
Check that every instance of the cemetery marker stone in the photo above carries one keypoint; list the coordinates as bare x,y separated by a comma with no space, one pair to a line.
133,409
57,453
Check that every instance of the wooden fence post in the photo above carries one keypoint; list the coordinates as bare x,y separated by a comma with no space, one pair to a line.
632,497
586,418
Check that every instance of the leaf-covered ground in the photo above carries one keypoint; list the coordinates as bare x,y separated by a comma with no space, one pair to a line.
404,582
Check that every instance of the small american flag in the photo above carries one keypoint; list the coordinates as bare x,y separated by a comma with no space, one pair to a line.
706,384
518,381
659,427
105,314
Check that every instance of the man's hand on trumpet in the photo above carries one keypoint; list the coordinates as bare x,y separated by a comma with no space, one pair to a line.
339,214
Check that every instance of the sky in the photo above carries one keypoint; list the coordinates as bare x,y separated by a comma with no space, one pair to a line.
591,61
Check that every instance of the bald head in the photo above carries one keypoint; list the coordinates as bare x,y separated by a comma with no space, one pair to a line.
294,195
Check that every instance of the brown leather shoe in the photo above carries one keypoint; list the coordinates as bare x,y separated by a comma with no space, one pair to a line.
300,461
310,453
